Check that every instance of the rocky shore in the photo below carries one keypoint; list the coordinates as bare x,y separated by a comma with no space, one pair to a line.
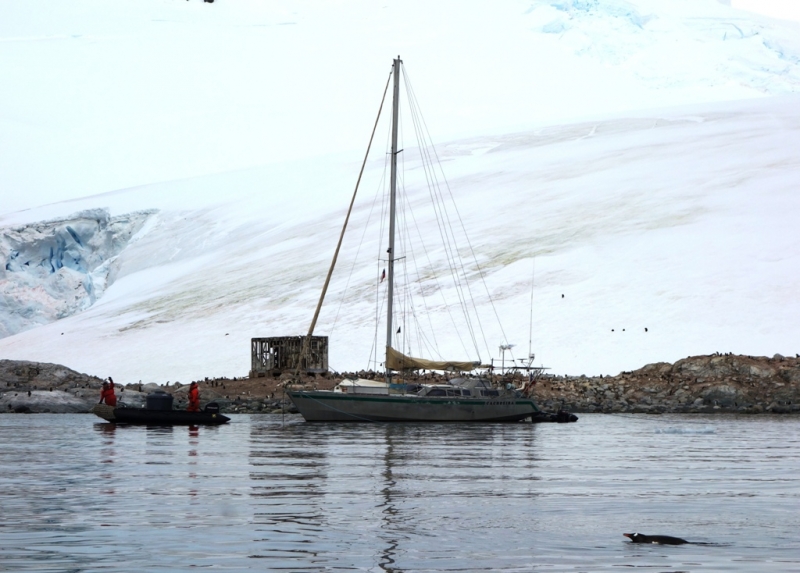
698,384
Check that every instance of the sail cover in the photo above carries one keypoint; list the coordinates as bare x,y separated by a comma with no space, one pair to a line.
397,361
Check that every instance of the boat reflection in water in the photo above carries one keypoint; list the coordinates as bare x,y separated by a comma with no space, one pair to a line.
404,482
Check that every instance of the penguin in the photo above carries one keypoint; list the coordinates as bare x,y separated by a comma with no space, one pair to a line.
661,539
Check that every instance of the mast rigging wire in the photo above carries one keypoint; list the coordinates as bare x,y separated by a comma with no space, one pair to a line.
460,219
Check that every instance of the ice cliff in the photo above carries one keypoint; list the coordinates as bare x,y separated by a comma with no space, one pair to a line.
53,269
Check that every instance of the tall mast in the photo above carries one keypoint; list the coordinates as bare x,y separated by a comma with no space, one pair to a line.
392,201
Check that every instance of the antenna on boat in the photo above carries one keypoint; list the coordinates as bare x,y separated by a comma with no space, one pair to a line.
392,209
503,348
530,323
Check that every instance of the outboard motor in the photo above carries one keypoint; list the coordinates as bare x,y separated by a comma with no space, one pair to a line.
159,400
212,408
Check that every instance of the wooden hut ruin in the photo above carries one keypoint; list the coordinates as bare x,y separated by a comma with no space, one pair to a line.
278,354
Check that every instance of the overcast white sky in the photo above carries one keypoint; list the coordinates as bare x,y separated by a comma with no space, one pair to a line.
787,9
109,96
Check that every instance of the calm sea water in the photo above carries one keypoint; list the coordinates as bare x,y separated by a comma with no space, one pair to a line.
79,495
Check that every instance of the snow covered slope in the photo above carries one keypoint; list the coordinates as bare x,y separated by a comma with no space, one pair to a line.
680,221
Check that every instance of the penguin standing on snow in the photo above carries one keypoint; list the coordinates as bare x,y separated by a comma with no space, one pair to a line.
660,539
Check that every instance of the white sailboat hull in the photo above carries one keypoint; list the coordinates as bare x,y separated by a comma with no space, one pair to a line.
327,406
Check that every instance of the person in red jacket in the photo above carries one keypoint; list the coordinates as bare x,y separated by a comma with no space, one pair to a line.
194,398
107,394
111,398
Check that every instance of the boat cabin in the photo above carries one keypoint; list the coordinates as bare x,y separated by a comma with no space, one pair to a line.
462,387
472,387
361,386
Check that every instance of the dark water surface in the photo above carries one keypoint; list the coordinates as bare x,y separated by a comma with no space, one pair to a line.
79,495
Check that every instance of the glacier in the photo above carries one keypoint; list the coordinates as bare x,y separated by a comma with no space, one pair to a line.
54,269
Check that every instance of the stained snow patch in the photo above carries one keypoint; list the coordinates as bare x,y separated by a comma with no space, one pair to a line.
54,269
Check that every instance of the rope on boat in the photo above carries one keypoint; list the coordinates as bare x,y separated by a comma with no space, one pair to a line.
429,151
449,241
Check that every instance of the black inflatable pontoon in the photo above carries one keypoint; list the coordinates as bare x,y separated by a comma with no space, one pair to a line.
159,412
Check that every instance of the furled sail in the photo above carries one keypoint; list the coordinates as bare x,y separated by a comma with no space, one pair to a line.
397,361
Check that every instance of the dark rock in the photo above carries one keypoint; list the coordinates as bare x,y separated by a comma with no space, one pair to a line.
41,375
714,383
722,395
41,401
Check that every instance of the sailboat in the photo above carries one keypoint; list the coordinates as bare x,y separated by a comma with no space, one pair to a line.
464,398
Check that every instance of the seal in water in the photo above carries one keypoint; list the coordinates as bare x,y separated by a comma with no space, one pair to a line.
662,539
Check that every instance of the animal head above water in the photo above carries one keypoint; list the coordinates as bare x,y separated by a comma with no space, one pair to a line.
662,539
